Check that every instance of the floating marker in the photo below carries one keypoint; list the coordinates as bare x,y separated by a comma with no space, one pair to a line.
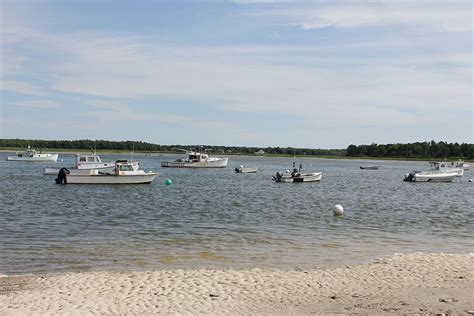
168,181
337,210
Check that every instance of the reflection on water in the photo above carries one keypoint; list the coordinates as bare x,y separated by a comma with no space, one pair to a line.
217,218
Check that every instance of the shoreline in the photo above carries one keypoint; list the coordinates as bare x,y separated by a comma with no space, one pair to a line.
157,153
419,283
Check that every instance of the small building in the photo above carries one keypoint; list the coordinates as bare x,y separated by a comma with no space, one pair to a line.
260,153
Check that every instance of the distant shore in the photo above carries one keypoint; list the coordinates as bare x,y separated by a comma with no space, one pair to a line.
154,153
417,283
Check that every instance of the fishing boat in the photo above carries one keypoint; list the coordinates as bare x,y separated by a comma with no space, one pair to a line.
123,173
297,176
429,176
370,167
31,155
445,167
461,164
242,169
197,159
86,162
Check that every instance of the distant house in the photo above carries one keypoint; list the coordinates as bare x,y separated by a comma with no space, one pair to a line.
260,153
229,151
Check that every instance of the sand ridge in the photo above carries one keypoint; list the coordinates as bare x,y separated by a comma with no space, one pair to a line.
418,283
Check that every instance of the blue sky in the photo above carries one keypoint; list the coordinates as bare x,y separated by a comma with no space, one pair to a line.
319,74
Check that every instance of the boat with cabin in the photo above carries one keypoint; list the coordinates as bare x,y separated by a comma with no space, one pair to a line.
86,162
31,155
445,167
242,169
123,173
196,159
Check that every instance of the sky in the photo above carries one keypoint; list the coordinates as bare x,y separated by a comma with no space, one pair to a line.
317,74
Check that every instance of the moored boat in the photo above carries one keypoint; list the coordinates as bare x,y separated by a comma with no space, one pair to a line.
123,173
197,160
31,155
370,167
298,177
86,162
428,176
445,167
242,169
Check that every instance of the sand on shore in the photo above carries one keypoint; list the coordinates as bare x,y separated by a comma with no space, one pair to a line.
419,283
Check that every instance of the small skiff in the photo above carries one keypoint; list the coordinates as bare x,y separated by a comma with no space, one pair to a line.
242,169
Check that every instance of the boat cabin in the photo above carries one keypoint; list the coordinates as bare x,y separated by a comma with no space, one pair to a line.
84,159
196,157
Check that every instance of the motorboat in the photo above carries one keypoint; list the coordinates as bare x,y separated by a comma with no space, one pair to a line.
86,162
31,155
297,177
461,164
123,173
197,159
445,167
430,176
242,169
370,167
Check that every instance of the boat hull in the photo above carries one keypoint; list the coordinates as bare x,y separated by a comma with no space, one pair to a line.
38,158
220,163
369,167
431,177
74,178
308,177
246,170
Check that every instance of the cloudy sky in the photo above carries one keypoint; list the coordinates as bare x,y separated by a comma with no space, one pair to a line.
322,74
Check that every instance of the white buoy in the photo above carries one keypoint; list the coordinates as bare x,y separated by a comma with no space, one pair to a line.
337,210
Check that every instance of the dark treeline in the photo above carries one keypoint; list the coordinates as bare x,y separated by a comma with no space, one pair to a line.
148,147
413,150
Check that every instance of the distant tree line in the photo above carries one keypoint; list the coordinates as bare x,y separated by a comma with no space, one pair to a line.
148,147
413,150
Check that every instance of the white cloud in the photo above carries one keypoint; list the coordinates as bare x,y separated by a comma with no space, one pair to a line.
20,87
39,104
451,17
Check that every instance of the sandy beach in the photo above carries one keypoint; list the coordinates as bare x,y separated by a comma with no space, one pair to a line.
419,283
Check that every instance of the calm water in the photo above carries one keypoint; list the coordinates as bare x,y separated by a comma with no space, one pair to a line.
215,218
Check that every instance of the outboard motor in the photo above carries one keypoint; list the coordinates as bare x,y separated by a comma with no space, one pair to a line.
410,177
61,179
236,170
277,177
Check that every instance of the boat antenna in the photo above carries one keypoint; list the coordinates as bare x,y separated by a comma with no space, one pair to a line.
133,151
294,159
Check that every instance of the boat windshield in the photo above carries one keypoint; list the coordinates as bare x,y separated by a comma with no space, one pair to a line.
125,168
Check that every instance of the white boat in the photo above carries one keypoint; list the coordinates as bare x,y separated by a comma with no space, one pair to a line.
242,169
445,167
197,160
123,173
31,155
297,177
430,176
86,162
370,167
461,164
